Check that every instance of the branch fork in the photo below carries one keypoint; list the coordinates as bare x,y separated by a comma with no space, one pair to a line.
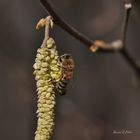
98,46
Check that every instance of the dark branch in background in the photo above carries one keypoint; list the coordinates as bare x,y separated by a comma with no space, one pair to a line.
128,8
97,45
93,45
60,22
125,54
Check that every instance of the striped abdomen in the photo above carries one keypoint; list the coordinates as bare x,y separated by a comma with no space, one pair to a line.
62,84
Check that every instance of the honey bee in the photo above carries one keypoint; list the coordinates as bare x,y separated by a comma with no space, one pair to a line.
66,63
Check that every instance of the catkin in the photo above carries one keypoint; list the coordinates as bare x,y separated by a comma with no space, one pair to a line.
47,73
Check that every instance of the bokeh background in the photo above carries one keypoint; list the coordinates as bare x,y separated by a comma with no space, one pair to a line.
104,95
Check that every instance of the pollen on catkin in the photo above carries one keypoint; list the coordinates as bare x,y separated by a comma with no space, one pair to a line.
47,73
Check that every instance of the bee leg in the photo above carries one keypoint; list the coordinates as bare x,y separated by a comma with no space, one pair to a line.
62,92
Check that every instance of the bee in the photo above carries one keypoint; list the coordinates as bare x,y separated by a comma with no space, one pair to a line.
66,63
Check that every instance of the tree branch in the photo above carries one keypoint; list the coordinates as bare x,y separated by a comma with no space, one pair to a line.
128,8
125,54
98,45
101,46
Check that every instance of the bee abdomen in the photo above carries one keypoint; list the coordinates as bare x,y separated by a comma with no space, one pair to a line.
61,87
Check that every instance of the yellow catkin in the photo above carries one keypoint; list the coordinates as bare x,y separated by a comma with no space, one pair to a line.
47,73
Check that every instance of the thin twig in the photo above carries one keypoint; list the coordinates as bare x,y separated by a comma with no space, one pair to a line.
59,21
128,8
101,46
125,54
104,47
47,22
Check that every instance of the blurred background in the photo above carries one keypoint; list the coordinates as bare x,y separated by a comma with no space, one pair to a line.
104,95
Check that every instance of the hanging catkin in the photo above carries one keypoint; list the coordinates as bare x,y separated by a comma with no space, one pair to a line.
47,73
